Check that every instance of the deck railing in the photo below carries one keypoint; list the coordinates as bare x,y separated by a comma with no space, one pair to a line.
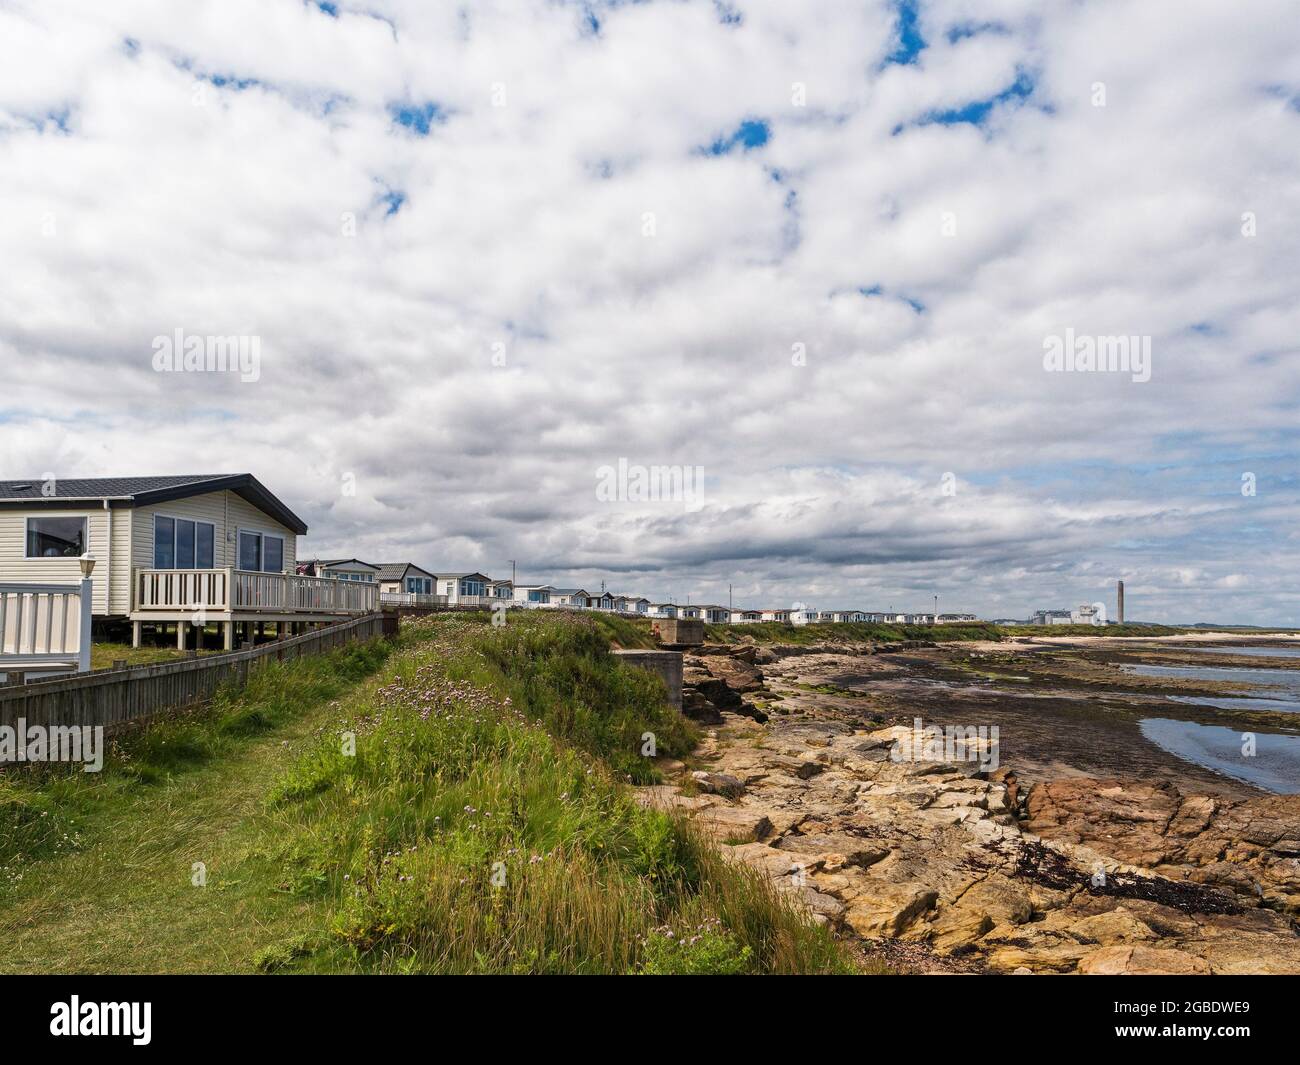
45,627
411,599
246,591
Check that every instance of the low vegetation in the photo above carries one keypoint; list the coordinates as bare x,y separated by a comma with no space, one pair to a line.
48,808
106,655
1094,630
484,825
466,809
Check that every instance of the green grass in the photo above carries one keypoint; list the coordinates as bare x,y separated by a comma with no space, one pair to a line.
846,632
103,655
1094,630
628,633
481,823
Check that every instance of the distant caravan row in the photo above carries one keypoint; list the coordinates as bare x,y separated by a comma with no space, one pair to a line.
406,584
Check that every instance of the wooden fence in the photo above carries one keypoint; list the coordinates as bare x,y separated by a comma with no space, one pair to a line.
112,697
45,627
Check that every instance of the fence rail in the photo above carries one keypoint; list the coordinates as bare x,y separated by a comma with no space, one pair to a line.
111,697
45,627
412,599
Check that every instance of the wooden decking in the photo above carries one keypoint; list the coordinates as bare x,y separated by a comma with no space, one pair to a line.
243,595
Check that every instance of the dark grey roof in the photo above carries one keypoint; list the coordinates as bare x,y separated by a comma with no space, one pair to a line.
395,571
341,561
141,491
99,487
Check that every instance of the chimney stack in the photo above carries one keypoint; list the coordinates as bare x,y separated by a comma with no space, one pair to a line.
1121,602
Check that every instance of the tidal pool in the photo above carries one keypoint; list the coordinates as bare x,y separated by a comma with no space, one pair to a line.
1275,765
1282,692
1253,652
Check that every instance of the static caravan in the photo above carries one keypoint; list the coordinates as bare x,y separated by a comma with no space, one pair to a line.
170,549
463,589
745,617
534,595
405,578
716,615
570,598
345,569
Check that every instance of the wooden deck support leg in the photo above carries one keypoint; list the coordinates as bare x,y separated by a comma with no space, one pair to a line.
180,635
228,634
137,633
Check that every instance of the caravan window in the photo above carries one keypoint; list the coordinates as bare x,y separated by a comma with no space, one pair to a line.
56,537
180,543
261,552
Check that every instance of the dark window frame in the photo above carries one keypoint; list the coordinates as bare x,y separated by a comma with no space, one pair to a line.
197,524
27,536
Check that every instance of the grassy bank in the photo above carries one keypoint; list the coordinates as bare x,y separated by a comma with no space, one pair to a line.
1095,630
846,632
484,825
103,655
465,809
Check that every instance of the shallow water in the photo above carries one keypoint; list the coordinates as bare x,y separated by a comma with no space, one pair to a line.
1254,652
1243,702
1275,765
1282,692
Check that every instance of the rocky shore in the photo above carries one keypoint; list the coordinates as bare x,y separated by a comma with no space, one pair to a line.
943,866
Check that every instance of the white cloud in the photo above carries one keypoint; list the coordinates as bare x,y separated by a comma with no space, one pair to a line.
130,207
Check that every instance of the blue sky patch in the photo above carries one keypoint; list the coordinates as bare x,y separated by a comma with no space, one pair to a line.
728,15
871,291
963,30
418,118
752,133
392,199
225,81
330,9
910,41
977,111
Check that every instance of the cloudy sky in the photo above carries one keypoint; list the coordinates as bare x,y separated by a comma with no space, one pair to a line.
816,250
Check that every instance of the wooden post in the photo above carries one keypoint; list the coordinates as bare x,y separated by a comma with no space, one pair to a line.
137,633
228,632
180,635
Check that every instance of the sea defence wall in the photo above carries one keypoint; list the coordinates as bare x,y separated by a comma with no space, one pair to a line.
678,632
667,665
